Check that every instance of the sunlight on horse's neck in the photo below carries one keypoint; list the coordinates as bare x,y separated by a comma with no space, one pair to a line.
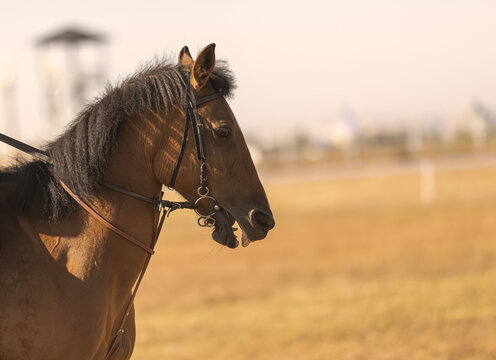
130,165
168,143
99,252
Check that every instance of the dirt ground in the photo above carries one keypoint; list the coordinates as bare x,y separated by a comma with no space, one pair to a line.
355,269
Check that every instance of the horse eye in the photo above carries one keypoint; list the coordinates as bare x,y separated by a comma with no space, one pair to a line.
222,132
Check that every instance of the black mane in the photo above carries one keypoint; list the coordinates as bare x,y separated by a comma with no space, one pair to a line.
79,156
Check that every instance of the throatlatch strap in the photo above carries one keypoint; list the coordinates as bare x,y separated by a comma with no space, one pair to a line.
181,153
156,201
127,192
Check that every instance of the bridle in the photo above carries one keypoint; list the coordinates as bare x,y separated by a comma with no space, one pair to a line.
192,118
163,207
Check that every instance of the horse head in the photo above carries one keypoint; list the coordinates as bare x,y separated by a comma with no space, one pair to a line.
235,192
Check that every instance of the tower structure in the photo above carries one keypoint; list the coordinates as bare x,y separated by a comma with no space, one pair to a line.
73,69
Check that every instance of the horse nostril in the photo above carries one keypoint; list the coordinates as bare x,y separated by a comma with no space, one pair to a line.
263,219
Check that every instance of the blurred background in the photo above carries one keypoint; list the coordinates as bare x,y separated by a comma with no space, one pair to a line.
373,126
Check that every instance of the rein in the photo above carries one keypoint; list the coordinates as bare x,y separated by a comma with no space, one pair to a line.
163,207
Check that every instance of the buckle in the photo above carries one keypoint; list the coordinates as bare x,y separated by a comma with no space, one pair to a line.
188,105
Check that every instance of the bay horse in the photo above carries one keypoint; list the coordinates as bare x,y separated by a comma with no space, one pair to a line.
67,277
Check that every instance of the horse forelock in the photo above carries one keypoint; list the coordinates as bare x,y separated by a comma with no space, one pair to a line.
79,156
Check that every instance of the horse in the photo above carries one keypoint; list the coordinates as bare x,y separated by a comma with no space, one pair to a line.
67,274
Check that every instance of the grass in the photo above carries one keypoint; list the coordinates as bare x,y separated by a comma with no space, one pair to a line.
355,269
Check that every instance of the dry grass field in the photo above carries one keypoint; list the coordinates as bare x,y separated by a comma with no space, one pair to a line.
355,269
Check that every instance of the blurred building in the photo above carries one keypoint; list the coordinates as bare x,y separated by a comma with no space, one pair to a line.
8,101
73,70
474,122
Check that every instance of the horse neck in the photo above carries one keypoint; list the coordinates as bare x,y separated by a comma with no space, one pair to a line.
130,167
99,255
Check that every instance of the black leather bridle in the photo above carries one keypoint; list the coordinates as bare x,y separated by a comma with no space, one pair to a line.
192,118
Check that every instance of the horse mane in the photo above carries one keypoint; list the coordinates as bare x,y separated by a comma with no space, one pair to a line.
79,156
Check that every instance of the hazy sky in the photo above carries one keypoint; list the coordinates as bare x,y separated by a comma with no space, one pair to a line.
294,61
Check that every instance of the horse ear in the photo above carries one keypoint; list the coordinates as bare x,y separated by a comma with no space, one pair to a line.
184,59
203,67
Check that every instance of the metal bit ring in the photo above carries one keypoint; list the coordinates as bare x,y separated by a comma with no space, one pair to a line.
216,206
